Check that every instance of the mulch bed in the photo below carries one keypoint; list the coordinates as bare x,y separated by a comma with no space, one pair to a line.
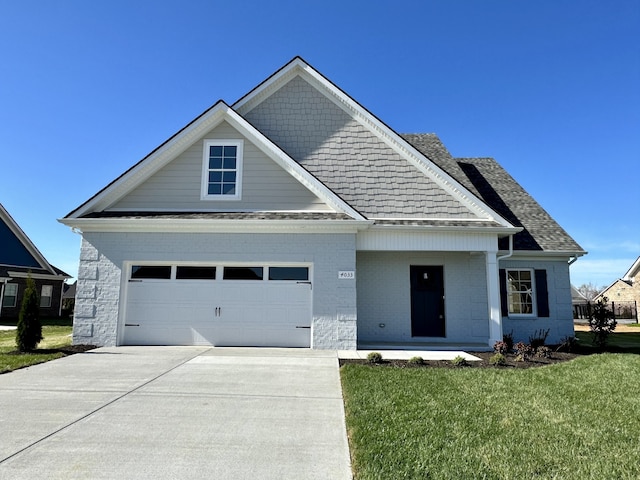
511,362
68,350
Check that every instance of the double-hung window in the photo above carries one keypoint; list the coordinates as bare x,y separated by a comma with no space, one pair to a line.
222,170
521,292
45,296
10,295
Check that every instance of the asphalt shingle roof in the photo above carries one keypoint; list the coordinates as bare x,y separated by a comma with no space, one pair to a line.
486,179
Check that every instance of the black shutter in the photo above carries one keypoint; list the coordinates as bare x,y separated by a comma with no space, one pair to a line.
542,293
504,305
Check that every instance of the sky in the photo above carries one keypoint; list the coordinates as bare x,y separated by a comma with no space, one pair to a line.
550,89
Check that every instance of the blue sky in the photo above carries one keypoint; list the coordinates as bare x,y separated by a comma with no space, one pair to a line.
549,88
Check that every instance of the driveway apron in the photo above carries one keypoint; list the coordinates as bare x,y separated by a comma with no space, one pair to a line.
176,412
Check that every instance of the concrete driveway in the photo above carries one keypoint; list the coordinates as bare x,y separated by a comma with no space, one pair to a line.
175,412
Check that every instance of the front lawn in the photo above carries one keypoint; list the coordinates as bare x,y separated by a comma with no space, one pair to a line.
575,420
628,342
57,335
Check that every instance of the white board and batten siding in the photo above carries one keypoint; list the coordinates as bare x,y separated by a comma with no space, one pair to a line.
265,185
403,240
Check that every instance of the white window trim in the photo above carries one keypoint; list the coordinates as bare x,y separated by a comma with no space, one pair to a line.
204,195
15,297
50,296
534,300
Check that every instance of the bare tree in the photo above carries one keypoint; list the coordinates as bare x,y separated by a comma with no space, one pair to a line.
589,290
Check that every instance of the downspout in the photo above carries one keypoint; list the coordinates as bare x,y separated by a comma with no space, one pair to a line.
510,251
572,260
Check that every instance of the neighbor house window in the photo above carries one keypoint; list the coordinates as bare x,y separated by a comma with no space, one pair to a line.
222,170
10,295
45,296
520,292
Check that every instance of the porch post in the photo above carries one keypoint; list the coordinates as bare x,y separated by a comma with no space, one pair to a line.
493,298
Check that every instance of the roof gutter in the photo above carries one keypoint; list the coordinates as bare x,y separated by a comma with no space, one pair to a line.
510,250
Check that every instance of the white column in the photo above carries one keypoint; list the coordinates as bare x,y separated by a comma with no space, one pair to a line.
493,298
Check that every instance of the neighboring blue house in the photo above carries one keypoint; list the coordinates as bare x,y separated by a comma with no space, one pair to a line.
295,217
20,258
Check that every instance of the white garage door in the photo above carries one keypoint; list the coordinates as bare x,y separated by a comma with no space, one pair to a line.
218,305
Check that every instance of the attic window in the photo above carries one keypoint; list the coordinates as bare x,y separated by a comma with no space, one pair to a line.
222,170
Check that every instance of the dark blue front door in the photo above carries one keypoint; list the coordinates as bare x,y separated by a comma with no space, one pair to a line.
427,301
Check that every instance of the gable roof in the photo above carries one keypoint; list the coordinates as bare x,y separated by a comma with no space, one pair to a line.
372,167
19,252
179,142
633,271
490,182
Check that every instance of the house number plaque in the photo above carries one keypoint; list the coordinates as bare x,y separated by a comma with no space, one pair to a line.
349,274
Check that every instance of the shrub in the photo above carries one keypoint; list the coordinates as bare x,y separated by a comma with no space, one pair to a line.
538,338
507,338
416,361
501,347
602,322
543,352
498,360
29,332
374,357
459,361
567,344
523,351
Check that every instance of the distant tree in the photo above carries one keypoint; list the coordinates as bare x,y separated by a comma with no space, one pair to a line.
589,290
29,331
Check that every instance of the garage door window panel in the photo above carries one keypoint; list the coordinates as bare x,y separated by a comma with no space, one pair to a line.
195,273
140,272
289,273
243,273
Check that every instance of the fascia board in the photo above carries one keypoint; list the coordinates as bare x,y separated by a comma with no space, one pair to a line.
24,239
153,162
374,125
539,255
633,271
37,276
213,226
460,229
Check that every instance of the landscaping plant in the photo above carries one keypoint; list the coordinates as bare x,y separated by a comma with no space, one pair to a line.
374,357
602,322
29,332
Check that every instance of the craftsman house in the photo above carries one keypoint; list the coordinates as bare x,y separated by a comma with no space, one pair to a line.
295,217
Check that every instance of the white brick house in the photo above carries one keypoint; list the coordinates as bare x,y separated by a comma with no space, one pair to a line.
296,218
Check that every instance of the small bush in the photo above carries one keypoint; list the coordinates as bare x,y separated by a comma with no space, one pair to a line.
508,340
567,344
538,338
543,352
602,322
374,357
523,351
501,347
416,361
459,361
498,360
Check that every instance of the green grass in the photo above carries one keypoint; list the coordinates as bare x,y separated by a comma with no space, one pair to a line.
576,420
628,342
56,333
